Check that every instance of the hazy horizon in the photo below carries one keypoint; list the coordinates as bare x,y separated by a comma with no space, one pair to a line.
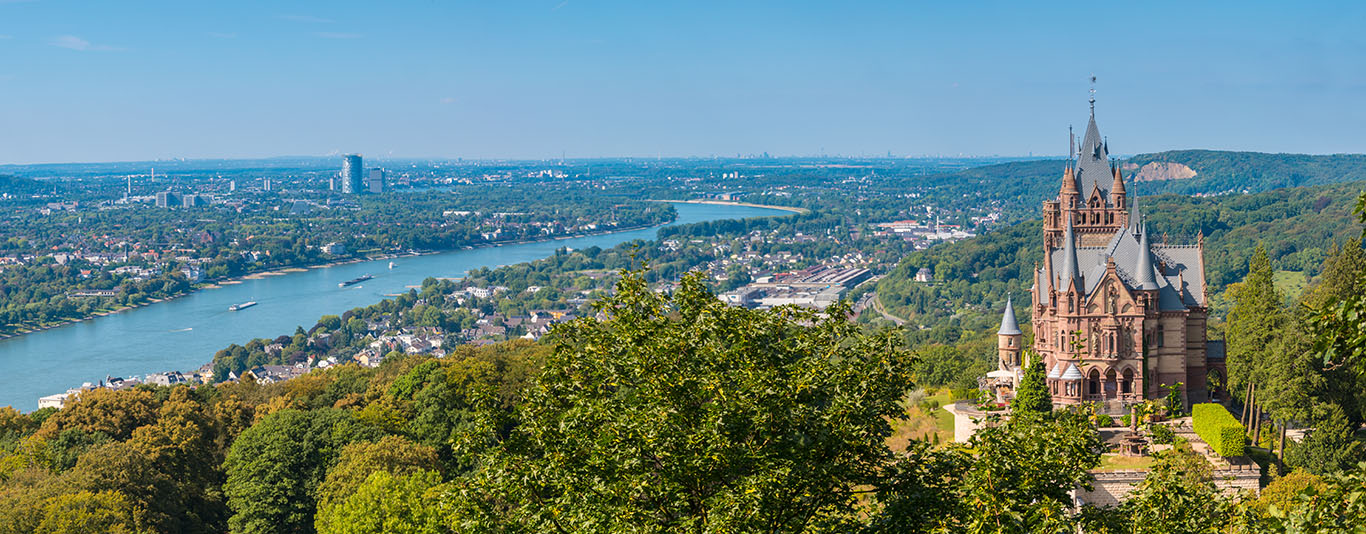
253,80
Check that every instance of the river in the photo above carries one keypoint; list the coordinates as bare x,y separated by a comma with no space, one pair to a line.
184,333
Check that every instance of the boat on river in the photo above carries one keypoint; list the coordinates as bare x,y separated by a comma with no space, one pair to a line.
242,306
355,280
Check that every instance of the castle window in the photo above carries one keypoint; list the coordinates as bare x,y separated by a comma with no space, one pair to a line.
1161,336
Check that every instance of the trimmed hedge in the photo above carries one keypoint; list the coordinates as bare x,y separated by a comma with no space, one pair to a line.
1222,431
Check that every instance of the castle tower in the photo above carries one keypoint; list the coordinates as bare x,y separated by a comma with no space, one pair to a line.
1092,196
1116,312
1009,340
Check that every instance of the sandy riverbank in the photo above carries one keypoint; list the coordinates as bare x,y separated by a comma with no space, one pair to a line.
730,203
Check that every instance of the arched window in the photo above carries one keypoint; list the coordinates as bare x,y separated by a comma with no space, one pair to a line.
1127,386
1093,383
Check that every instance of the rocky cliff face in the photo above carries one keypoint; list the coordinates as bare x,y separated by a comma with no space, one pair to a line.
1160,170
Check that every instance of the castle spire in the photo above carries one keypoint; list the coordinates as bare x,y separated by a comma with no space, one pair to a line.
1009,327
1093,157
1135,215
1144,277
1117,191
1069,181
1071,274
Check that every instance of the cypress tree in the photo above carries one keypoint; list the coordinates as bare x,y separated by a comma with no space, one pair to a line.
1253,323
1032,395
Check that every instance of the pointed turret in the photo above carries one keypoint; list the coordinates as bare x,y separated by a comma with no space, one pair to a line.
1009,326
1008,339
1117,191
1144,277
1071,274
1069,181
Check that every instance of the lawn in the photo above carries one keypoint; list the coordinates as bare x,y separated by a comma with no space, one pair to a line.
1115,462
926,420
1290,283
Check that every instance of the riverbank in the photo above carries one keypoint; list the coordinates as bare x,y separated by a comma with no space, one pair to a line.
184,333
792,209
218,283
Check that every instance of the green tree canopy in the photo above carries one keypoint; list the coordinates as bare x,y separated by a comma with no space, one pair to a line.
275,466
1033,395
678,412
389,503
392,454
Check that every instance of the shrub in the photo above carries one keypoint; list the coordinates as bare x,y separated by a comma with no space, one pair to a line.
1126,420
1105,421
1218,428
1162,434
1173,401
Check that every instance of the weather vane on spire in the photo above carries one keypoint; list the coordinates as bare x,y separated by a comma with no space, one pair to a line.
1093,94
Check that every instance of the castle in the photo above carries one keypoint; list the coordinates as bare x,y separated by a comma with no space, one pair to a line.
1117,313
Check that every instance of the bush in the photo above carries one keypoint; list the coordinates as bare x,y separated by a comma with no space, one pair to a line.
1105,421
1162,434
1218,428
963,393
1126,420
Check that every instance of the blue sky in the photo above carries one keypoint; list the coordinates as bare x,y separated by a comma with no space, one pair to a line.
112,81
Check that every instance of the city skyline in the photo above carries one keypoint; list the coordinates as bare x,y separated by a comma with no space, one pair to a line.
589,79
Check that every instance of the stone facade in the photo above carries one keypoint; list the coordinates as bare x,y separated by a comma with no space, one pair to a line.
1113,487
1118,312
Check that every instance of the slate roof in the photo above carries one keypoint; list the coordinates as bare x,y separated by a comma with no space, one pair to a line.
1215,351
1183,264
1009,326
1093,164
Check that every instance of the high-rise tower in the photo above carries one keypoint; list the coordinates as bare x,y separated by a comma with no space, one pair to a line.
351,174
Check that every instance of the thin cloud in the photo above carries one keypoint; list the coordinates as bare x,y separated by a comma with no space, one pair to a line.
6,36
560,5
337,35
71,42
448,100
307,18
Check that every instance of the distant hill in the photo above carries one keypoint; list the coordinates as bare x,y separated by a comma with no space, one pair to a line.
1022,185
15,185
1219,171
